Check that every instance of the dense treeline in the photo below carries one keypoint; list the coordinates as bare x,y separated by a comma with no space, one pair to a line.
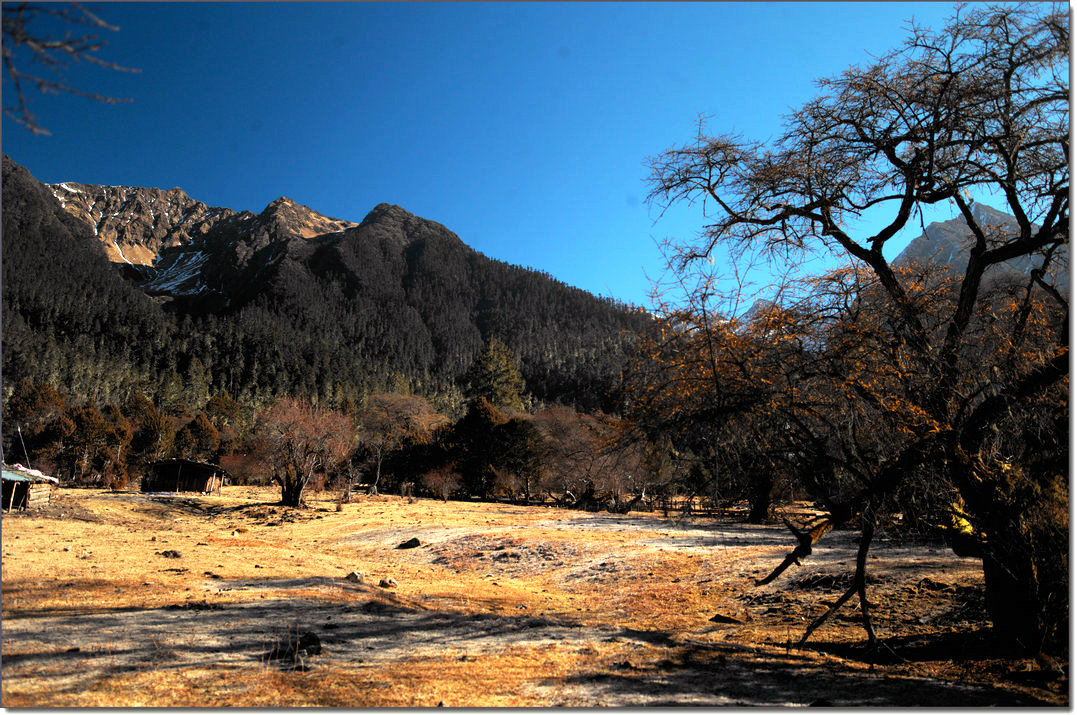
330,322
391,442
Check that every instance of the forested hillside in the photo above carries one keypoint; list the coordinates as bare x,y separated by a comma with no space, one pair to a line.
396,303
67,318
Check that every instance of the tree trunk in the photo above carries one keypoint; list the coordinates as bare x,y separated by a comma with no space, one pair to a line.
1026,592
291,492
377,475
764,486
1024,519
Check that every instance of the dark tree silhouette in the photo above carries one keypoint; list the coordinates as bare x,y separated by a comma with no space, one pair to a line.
495,376
981,106
28,43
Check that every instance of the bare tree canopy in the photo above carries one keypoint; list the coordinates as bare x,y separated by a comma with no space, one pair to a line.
982,105
299,440
898,372
387,420
53,53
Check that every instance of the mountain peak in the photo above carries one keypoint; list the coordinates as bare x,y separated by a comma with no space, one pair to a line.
401,227
281,201
391,212
987,216
298,220
947,244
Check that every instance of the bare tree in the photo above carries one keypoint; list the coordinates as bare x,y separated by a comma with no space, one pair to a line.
582,454
442,480
387,420
979,107
53,54
299,441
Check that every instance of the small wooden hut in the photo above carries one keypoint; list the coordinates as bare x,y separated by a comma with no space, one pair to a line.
184,475
25,488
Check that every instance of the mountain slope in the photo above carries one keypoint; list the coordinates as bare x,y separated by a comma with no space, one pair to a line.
401,290
67,318
289,301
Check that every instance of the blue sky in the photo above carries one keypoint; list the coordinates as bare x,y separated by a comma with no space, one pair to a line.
522,127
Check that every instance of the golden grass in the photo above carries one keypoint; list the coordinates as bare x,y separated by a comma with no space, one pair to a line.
504,679
72,566
103,564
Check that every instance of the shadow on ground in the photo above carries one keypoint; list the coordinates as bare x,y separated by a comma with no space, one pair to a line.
359,625
725,675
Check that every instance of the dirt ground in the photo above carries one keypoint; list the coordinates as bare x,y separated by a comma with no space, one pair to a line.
125,599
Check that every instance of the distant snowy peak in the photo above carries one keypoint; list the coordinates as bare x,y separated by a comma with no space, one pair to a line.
947,243
134,223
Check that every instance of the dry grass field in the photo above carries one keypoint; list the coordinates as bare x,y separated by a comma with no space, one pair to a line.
125,599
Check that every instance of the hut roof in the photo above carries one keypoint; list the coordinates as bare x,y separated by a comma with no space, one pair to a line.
190,462
19,473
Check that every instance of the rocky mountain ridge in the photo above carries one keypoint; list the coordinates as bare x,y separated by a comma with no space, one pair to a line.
136,224
133,223
176,247
242,256
947,243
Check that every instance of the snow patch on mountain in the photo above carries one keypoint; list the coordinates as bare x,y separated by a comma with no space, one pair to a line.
120,251
180,274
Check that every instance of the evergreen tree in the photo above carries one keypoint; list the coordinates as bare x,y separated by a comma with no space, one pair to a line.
223,410
154,436
495,376
474,447
519,458
198,439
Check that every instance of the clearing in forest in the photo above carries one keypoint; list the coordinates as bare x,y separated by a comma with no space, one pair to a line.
126,599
